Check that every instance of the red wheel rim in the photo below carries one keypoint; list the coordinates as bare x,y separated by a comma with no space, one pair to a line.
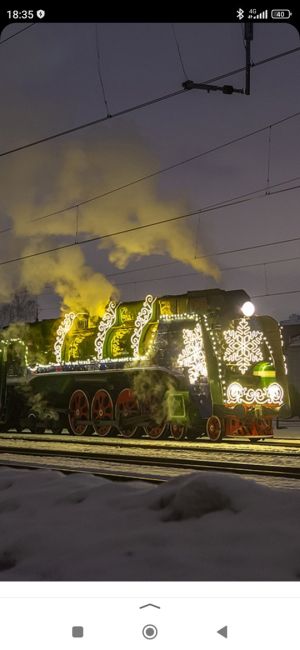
78,410
102,409
214,428
178,431
155,431
127,406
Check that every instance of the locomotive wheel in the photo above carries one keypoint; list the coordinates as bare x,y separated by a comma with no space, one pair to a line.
34,425
127,406
56,426
156,431
78,410
102,408
178,431
263,426
214,428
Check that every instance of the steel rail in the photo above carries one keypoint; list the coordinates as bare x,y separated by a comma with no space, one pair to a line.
184,464
227,446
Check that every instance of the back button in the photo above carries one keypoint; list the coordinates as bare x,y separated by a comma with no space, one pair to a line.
223,632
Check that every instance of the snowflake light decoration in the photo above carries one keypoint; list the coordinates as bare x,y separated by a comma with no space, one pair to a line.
243,346
192,355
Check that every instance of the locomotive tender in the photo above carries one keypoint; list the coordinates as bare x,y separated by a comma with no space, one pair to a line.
180,365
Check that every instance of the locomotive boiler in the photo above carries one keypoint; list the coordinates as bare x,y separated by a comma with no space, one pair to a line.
178,365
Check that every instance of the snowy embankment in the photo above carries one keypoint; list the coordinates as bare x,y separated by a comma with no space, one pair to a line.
200,527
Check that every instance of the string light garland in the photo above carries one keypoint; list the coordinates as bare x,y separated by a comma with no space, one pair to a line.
280,328
184,316
216,348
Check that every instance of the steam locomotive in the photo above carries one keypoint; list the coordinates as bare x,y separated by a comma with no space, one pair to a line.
178,365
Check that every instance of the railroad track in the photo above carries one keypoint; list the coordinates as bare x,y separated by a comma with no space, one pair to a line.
270,446
143,459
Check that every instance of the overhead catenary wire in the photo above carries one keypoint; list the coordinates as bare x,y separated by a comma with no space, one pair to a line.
255,64
108,114
216,253
4,40
163,170
192,273
276,293
254,297
222,269
179,51
153,224
125,111
222,203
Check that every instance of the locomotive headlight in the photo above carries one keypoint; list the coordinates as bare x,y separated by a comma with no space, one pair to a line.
248,308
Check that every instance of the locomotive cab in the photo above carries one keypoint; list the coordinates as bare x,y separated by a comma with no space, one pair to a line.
179,365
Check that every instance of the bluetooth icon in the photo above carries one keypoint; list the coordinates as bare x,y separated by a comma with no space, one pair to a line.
240,14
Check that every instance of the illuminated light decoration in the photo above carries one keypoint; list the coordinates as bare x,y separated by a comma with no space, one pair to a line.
282,346
108,320
170,317
144,316
88,364
243,346
216,348
238,394
61,333
275,392
116,343
193,356
271,355
264,373
248,308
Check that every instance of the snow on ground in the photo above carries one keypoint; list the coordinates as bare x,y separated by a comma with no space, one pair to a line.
207,526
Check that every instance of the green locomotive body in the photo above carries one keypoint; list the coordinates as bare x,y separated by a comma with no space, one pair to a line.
181,365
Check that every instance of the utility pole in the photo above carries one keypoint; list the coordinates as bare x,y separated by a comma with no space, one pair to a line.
248,34
229,90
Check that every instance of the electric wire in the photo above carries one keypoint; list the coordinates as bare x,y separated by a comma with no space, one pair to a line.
108,114
4,40
276,293
117,233
269,158
222,269
254,65
162,170
129,109
178,50
86,125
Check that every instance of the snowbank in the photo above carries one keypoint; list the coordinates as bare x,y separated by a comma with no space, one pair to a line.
206,526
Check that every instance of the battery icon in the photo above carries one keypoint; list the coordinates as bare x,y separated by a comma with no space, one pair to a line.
281,14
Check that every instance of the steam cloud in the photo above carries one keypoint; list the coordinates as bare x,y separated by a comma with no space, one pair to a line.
47,178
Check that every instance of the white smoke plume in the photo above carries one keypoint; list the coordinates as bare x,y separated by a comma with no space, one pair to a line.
49,177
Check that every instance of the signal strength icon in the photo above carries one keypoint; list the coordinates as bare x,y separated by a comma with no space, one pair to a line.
262,16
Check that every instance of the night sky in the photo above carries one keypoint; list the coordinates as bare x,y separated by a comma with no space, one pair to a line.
50,79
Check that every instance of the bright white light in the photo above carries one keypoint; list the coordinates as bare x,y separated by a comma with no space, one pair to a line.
238,394
248,308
